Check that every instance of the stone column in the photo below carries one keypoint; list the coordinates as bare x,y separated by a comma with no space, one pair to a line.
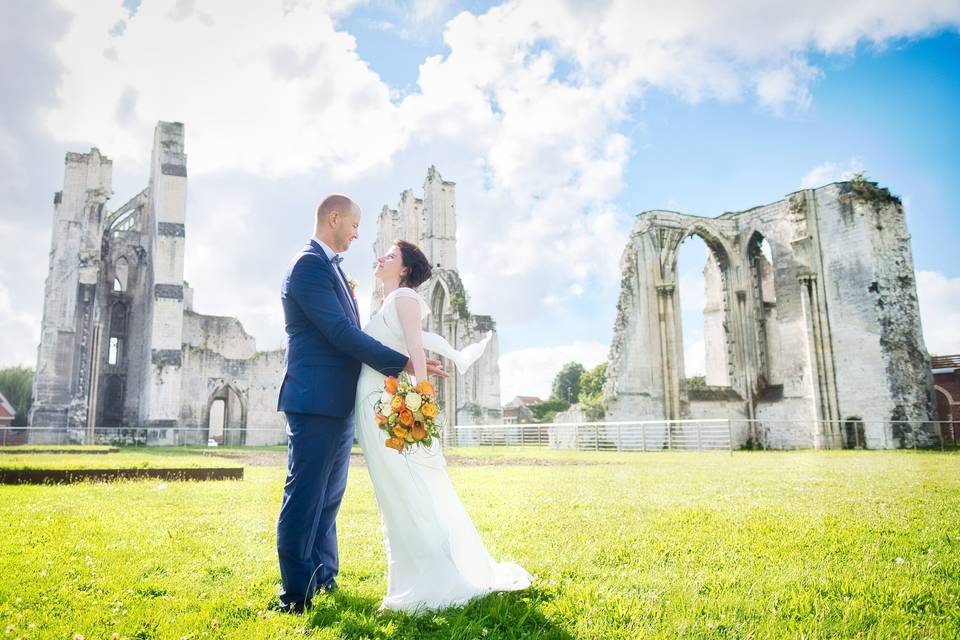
168,194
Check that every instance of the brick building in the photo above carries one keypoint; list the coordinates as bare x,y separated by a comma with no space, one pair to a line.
946,384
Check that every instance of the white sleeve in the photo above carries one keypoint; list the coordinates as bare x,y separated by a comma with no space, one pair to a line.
463,358
404,292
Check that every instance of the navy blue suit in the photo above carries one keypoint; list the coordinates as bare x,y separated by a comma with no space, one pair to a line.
325,349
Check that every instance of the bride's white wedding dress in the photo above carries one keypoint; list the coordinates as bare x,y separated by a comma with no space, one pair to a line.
435,557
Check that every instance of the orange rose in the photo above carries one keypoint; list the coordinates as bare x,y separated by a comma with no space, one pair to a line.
424,388
406,417
391,385
400,432
397,404
419,433
430,410
394,443
381,419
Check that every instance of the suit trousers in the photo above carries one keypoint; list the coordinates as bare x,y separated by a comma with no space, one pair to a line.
318,455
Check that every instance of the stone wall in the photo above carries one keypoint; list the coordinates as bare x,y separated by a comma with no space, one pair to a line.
122,352
823,330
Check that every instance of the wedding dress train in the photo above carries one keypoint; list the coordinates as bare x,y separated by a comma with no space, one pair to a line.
435,557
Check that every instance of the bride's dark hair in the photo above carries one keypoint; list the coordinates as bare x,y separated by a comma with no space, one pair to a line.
418,267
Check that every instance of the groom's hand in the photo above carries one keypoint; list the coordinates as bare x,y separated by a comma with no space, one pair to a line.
434,368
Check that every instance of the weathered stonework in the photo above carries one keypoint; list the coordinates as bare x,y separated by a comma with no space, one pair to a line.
473,398
121,348
823,335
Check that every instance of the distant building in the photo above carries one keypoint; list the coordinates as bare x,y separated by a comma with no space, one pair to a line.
946,385
7,414
518,411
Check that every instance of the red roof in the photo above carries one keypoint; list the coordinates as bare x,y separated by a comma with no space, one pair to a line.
6,409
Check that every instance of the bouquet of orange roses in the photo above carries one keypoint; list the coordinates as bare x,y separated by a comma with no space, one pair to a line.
407,413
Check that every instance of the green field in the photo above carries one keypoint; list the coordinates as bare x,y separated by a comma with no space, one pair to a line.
703,545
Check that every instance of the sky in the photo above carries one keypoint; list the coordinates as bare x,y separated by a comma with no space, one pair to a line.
559,122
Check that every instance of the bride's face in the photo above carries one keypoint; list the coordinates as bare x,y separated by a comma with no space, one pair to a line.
389,266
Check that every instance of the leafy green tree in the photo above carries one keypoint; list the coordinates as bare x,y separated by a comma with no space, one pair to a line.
16,385
696,382
546,410
566,385
591,391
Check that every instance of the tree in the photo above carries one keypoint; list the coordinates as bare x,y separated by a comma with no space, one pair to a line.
566,385
591,392
546,410
16,385
697,382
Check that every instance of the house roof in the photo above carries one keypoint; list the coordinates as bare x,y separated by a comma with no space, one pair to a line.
6,409
945,362
526,400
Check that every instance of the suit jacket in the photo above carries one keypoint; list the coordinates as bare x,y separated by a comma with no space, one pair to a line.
325,345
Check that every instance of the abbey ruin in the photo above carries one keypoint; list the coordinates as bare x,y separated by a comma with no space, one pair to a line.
124,354
121,348
811,326
817,345
431,223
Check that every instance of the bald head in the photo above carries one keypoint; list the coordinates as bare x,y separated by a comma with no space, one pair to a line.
338,221
335,202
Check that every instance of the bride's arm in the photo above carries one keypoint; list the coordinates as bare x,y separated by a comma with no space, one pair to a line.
408,309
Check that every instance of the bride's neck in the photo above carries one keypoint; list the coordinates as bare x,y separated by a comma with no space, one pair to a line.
390,287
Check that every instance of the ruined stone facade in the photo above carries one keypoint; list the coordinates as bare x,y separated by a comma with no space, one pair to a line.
121,347
431,223
817,338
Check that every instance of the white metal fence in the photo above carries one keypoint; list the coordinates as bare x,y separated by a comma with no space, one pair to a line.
648,435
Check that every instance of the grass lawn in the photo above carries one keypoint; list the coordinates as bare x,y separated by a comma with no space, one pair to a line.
638,545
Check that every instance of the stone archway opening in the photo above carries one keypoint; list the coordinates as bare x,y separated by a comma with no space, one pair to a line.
226,418
766,339
701,292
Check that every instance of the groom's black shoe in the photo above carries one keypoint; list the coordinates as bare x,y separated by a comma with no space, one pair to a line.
326,588
291,607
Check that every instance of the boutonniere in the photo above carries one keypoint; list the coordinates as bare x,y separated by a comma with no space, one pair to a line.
353,285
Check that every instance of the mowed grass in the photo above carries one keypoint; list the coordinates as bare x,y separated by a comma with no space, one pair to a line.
655,545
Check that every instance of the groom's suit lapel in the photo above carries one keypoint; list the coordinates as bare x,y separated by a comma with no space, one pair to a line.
348,304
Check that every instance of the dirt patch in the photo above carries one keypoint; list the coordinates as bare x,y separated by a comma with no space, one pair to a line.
279,459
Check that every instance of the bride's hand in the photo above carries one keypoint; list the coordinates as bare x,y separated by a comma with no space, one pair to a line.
434,368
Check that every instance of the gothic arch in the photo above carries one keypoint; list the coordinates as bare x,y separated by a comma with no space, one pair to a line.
232,427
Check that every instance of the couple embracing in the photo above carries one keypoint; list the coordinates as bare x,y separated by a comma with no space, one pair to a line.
334,374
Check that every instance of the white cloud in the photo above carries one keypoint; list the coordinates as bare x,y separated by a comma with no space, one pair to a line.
525,110
830,172
695,358
530,372
939,311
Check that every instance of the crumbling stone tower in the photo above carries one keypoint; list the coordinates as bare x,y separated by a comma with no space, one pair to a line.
818,345
431,223
121,347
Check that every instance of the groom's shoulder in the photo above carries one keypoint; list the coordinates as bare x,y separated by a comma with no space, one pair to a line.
305,256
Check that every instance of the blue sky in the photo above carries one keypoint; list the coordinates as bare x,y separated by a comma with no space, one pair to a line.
558,126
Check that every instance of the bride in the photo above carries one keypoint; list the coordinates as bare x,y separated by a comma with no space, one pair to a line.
435,557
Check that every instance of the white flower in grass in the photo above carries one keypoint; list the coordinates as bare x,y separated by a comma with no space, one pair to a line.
413,401
899,560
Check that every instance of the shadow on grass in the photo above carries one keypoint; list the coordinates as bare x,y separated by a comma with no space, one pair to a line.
499,615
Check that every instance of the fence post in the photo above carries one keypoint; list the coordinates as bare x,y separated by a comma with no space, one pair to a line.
619,438
596,437
670,435
729,436
643,436
699,440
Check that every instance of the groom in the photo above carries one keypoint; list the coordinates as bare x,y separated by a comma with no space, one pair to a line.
325,348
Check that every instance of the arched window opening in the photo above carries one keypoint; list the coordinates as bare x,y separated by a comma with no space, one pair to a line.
121,270
766,345
702,299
